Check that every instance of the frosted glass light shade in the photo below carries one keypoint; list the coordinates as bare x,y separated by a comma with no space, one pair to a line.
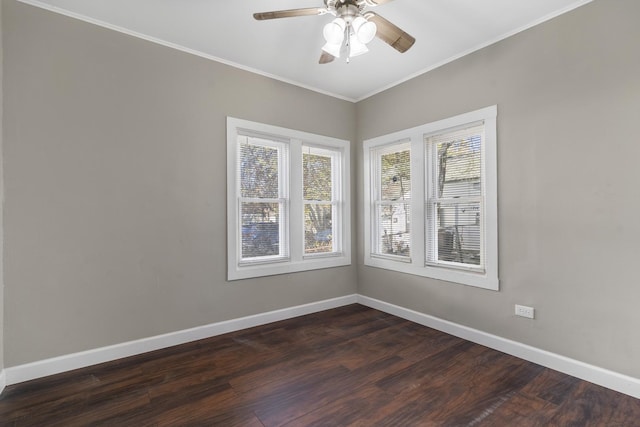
356,47
333,49
333,32
364,30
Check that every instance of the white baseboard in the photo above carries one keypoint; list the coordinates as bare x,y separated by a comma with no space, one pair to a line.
3,380
606,378
603,377
56,365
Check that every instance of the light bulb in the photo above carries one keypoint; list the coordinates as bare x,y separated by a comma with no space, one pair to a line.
333,32
364,30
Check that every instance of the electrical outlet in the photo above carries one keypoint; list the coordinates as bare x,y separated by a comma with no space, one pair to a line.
524,311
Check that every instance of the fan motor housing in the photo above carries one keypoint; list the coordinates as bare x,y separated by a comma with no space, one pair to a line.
346,9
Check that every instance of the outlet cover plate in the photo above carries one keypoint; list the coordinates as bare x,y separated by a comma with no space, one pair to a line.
524,311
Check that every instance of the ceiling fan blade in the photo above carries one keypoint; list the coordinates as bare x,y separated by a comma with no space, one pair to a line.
261,16
325,58
390,33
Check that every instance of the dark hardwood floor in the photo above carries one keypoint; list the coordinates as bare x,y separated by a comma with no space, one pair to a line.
347,366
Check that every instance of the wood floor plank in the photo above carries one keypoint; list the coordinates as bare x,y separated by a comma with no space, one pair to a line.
520,409
404,340
551,386
592,405
19,401
95,410
348,410
456,389
289,401
351,366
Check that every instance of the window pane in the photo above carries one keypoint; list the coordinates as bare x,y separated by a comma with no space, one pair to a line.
316,171
394,229
459,167
395,176
458,232
258,171
318,228
260,229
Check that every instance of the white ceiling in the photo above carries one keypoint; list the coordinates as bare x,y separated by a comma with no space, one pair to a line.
288,49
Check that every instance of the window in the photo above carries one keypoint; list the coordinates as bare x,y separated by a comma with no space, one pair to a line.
431,200
392,195
455,198
287,200
321,200
264,200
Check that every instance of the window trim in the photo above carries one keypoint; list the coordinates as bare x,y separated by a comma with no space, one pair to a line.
418,265
297,260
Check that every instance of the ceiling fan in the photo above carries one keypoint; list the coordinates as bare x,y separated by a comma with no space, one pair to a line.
351,30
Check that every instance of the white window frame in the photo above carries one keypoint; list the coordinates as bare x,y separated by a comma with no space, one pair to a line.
376,195
296,260
417,263
283,200
336,197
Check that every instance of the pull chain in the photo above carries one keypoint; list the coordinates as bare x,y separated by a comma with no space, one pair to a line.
348,30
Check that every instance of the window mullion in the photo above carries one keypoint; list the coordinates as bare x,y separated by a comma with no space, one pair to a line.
431,228
336,209
374,193
417,199
296,208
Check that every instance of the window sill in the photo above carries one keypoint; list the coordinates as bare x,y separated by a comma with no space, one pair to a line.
483,280
245,271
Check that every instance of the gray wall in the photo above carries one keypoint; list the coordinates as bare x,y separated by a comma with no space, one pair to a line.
115,187
568,96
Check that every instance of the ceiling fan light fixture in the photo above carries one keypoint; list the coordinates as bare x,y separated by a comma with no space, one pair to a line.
333,49
352,28
333,32
364,30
